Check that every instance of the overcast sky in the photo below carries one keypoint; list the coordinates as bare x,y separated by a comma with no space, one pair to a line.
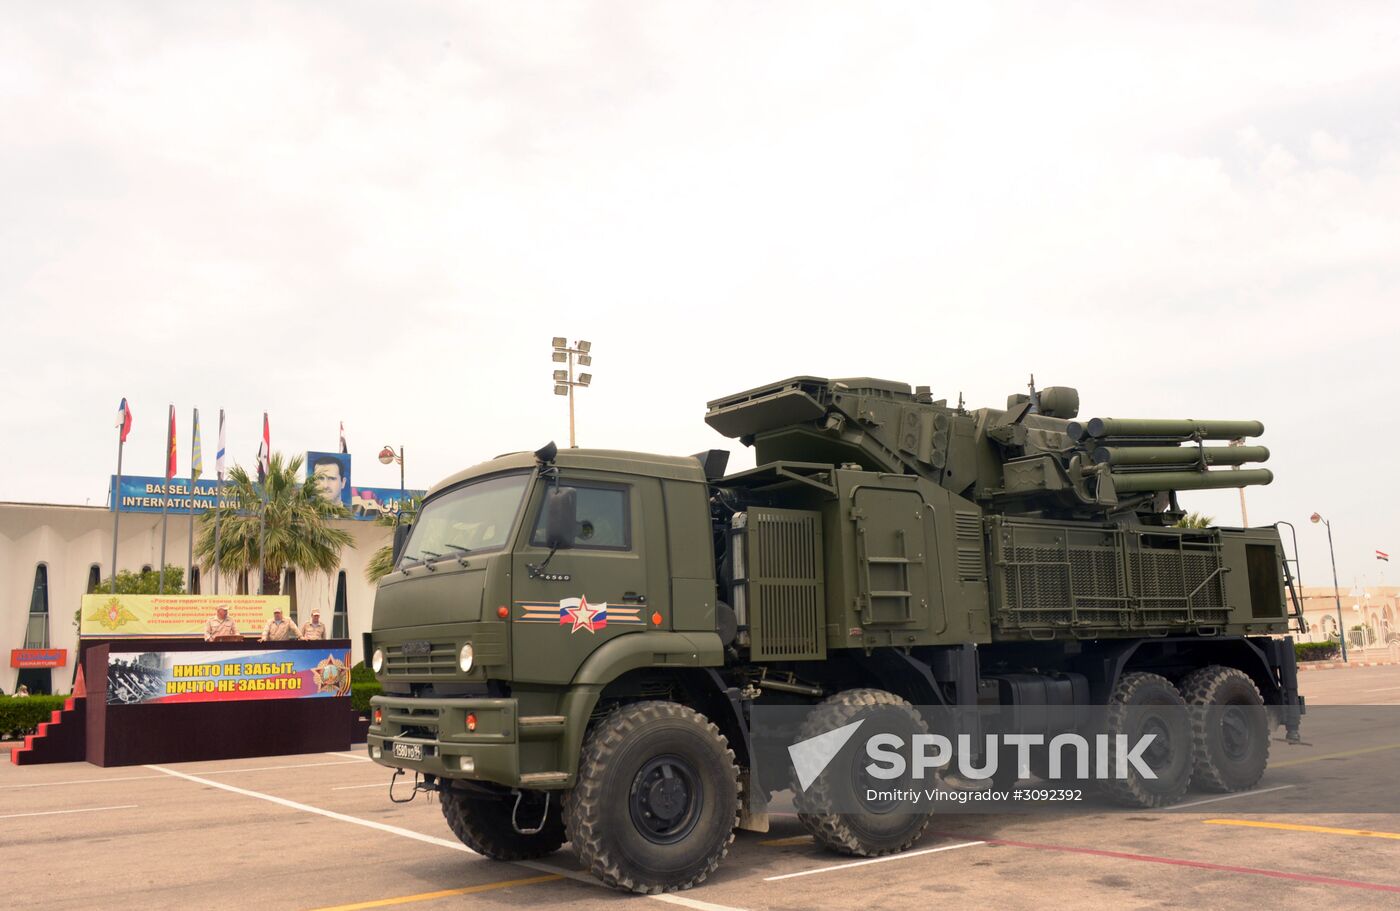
381,213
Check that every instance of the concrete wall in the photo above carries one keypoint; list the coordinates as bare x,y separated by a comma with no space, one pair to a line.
70,539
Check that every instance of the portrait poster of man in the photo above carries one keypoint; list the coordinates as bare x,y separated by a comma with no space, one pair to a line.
330,471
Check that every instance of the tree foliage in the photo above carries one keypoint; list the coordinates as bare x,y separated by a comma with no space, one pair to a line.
296,529
146,582
382,563
1195,520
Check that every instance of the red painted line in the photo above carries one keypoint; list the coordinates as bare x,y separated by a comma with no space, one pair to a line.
1180,862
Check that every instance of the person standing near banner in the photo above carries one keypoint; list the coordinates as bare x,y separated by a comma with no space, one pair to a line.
219,625
314,628
278,629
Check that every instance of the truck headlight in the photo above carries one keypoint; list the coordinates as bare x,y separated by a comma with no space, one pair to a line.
377,662
466,658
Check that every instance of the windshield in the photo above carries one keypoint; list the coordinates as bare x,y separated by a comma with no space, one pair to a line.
470,519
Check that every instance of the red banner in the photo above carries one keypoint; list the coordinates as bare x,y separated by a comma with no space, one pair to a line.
38,657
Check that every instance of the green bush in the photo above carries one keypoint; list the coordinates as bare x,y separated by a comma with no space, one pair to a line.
22,715
361,674
1315,651
360,695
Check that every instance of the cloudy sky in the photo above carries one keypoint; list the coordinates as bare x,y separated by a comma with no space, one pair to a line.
381,213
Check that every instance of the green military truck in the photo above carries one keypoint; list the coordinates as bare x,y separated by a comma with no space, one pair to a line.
572,642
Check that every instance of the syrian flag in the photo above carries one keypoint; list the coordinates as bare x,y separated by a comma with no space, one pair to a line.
264,452
1382,555
219,456
342,438
170,450
124,419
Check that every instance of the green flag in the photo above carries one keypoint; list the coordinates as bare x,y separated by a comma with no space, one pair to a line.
196,456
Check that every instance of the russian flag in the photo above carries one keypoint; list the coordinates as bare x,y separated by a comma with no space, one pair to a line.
124,419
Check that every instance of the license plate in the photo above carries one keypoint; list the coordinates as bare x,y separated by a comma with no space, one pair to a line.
408,751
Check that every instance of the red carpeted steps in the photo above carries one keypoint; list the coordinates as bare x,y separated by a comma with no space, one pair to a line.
63,738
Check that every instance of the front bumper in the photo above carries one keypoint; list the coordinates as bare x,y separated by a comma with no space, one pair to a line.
504,748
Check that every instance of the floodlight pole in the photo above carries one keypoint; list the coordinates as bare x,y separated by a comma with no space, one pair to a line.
566,380
572,444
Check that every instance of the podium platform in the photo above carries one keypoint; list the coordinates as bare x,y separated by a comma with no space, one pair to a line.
182,700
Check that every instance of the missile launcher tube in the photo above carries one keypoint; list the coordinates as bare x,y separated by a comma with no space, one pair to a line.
1162,429
1139,482
1179,455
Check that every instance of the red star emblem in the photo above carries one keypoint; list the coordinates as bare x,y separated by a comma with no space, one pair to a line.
585,616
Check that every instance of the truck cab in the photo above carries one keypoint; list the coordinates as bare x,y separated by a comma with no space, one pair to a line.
492,646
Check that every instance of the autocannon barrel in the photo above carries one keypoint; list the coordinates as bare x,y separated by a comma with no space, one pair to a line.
1190,480
1179,455
1159,429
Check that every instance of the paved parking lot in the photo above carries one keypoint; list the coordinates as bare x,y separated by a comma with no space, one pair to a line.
318,831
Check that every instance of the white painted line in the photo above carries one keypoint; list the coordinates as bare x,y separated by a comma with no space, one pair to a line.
272,768
128,806
356,787
433,840
1384,689
329,814
1197,803
874,860
669,898
54,784
351,756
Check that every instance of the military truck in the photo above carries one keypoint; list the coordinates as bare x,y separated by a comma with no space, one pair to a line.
573,642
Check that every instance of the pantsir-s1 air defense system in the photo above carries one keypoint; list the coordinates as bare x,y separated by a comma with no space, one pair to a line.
573,643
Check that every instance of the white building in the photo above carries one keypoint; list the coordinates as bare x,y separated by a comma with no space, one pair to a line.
51,555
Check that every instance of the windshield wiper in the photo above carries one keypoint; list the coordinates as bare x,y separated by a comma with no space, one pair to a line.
465,550
429,553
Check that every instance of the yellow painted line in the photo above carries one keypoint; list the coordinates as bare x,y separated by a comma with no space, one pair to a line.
1291,762
444,893
786,842
1296,827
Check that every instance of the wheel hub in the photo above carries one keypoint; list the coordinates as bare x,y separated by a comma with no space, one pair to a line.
665,800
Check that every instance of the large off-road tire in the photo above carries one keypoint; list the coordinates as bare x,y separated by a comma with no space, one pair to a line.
657,798
1229,728
483,823
1141,704
882,827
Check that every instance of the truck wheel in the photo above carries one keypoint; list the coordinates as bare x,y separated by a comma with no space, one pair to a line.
881,826
1229,728
657,798
484,824
1149,704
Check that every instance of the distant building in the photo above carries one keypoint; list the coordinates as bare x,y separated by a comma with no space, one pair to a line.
1376,609
50,556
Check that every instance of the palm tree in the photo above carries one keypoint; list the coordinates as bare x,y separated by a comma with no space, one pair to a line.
296,530
382,563
1195,520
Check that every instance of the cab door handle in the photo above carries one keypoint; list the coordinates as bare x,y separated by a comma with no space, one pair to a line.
633,598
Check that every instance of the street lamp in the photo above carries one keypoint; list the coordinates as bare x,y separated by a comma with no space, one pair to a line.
388,457
564,380
1336,589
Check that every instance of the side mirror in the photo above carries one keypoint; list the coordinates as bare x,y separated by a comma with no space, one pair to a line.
401,533
560,517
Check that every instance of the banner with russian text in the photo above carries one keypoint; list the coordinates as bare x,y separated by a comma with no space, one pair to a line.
109,616
137,678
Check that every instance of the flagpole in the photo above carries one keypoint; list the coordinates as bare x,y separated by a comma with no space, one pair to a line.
194,479
218,500
165,498
264,466
117,501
